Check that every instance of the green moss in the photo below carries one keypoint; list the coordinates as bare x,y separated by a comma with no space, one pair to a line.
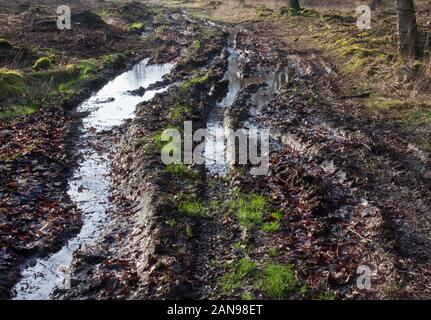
42,63
343,19
326,296
196,81
114,60
63,80
285,10
264,12
180,109
136,27
417,117
196,45
278,281
377,102
356,64
358,50
12,83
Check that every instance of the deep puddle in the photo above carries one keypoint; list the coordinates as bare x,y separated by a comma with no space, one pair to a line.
89,186
270,83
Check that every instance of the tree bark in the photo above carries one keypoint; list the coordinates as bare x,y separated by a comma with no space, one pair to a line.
407,30
294,4
375,4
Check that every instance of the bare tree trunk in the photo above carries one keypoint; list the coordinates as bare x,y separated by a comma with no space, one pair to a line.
375,4
294,4
407,29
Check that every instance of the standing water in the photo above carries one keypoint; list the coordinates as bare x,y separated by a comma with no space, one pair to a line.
89,186
216,152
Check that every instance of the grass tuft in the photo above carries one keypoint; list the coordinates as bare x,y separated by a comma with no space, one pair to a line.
278,281
234,278
192,208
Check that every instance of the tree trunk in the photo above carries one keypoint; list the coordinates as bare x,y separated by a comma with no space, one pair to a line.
407,30
294,4
375,4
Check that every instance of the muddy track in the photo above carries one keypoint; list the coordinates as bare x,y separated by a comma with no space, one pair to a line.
347,192
332,166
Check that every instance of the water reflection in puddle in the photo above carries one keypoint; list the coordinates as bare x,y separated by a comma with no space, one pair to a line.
271,82
89,186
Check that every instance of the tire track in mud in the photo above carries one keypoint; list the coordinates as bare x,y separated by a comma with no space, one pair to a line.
89,188
334,218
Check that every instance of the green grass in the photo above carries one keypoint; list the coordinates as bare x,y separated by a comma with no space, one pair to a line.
247,296
182,171
271,226
234,278
180,109
251,210
158,140
172,223
278,281
326,296
114,60
189,231
17,110
272,252
64,79
277,215
192,208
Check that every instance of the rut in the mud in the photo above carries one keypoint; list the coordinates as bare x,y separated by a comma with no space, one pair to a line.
90,186
337,194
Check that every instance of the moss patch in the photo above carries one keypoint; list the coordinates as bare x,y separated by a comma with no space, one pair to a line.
136,27
196,81
12,83
42,63
180,109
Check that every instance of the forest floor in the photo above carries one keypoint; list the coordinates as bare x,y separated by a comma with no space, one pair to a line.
349,183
